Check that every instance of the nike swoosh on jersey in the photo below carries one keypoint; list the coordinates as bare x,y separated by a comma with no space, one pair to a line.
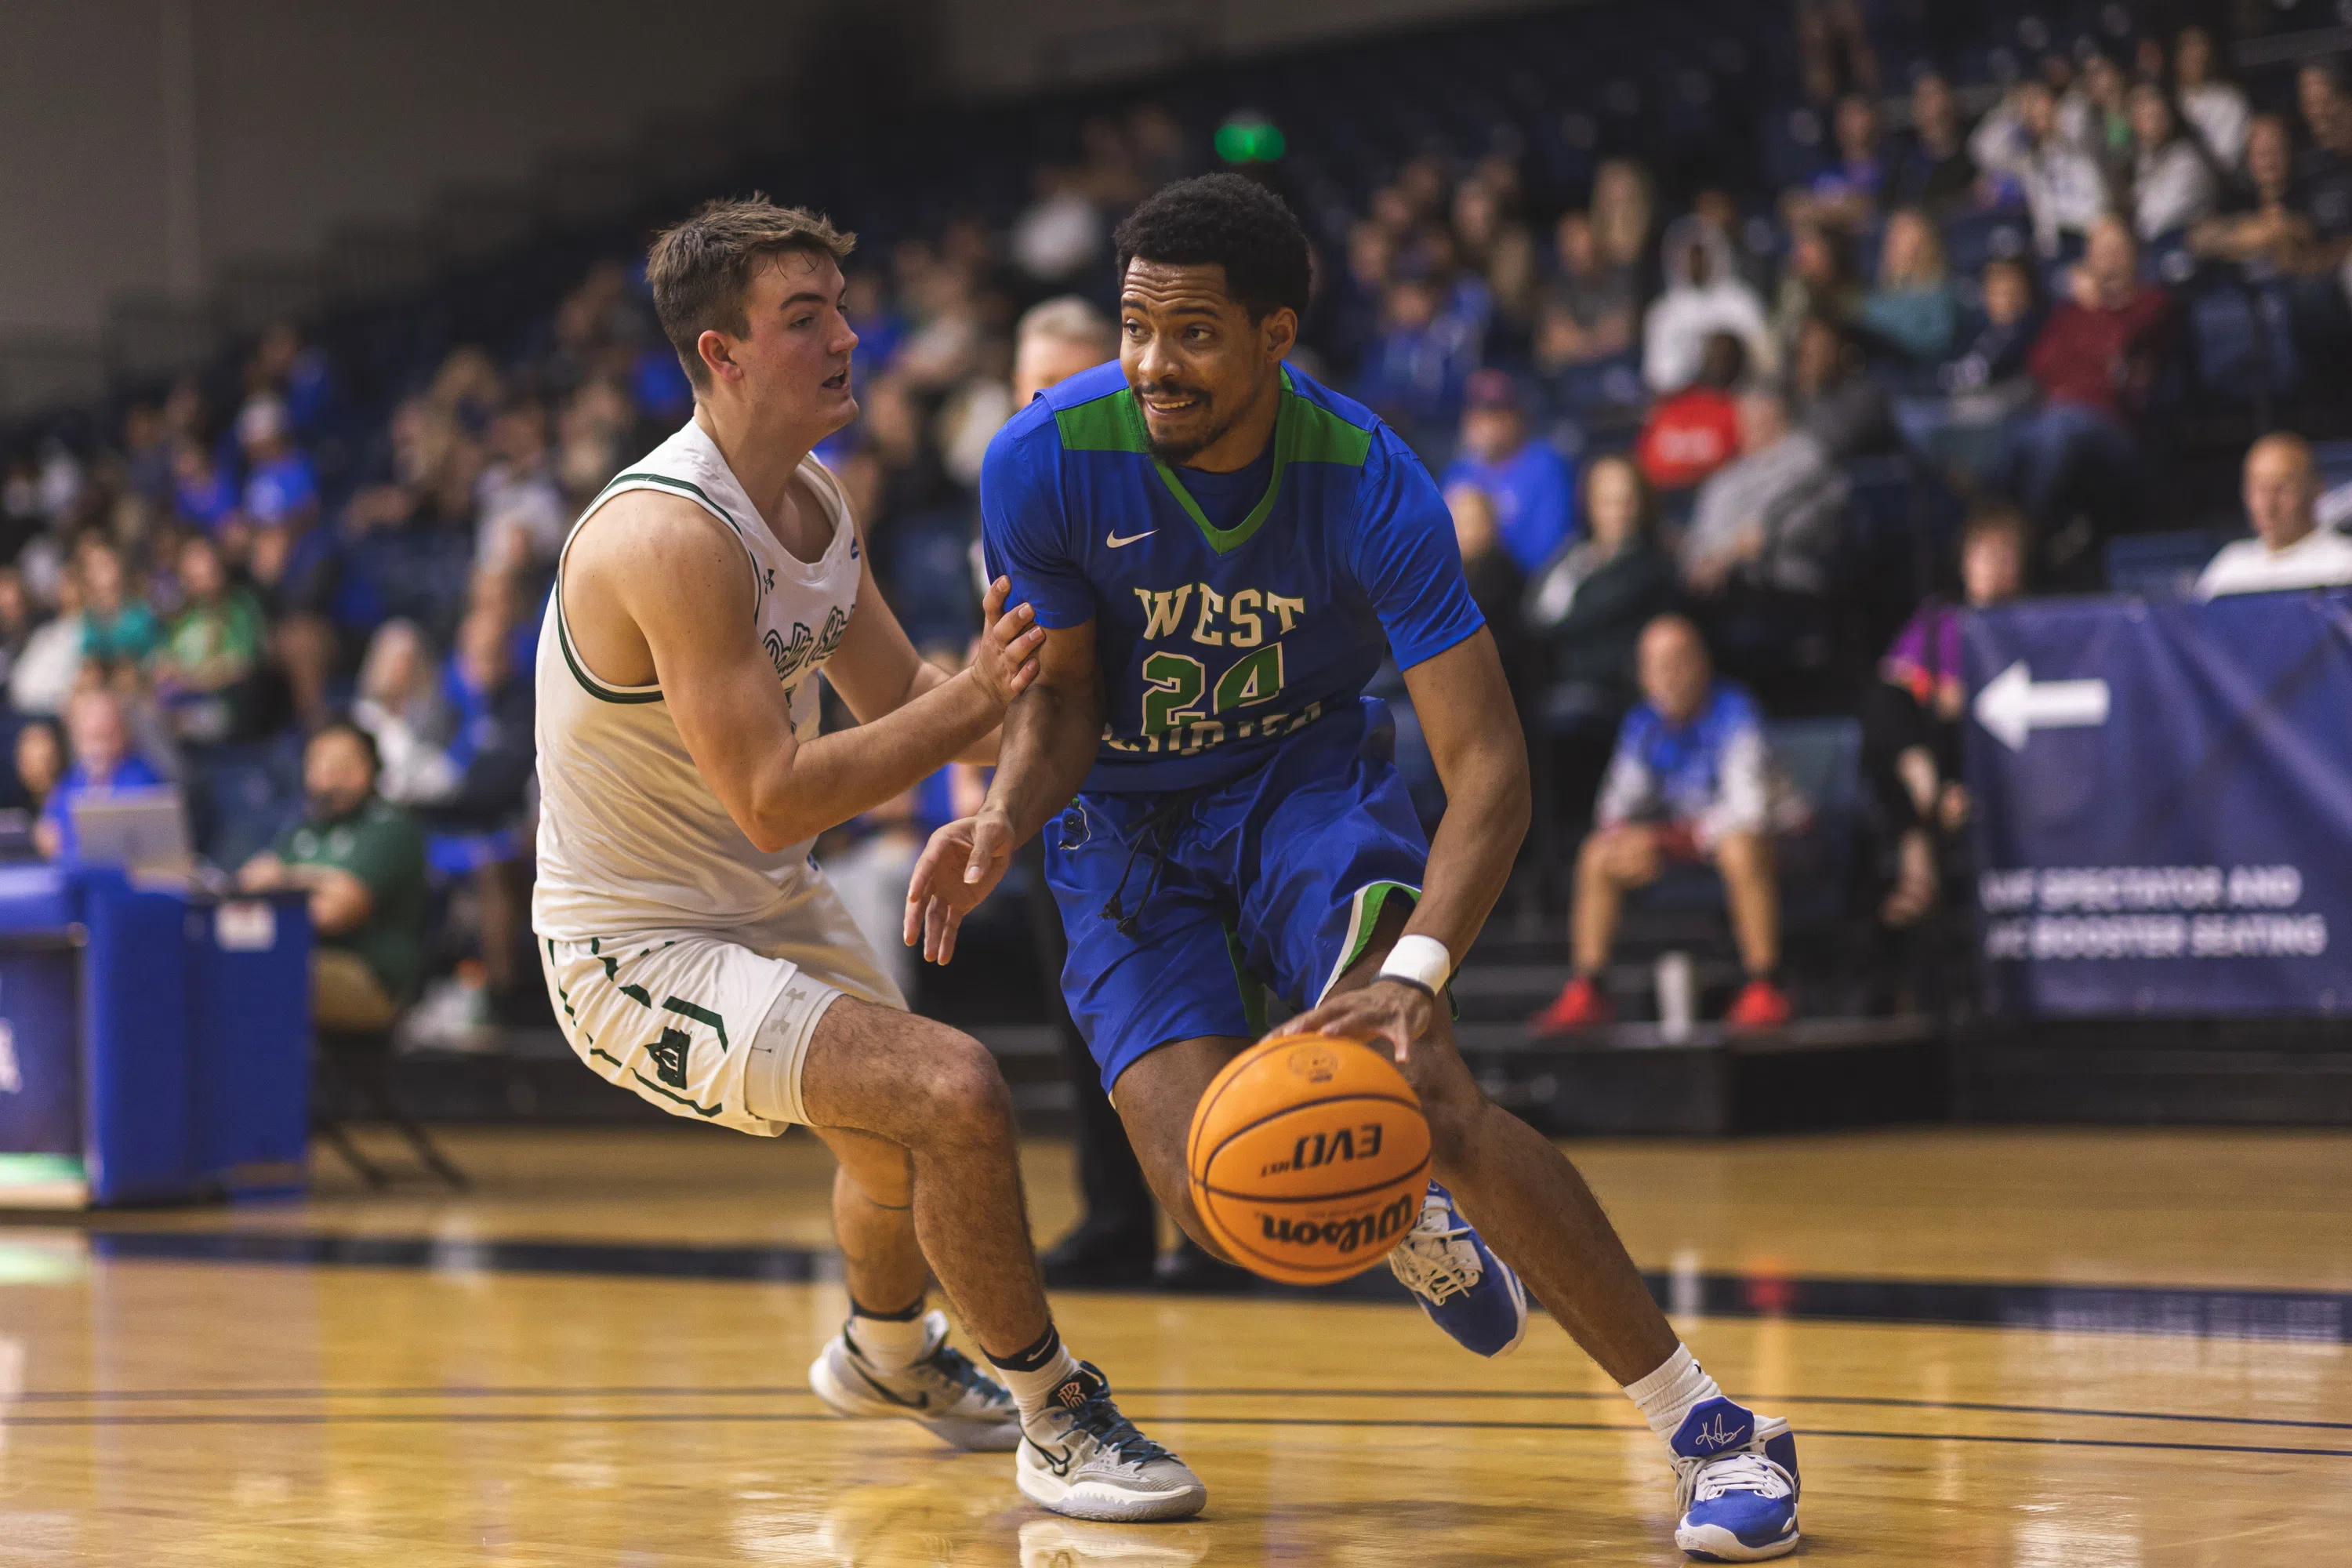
1115,542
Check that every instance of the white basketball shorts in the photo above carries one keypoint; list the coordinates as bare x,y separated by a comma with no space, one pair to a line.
715,1025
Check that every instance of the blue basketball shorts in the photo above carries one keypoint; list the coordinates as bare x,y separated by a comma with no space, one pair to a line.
1187,912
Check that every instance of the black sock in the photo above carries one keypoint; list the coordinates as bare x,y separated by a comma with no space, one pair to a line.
908,1316
1036,1357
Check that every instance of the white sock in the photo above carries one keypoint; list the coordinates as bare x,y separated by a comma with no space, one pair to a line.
1033,1390
1669,1393
887,1344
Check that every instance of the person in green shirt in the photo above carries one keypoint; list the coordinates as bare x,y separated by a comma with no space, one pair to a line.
215,639
203,672
361,860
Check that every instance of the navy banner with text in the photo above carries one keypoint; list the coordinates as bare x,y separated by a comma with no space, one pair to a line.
2163,799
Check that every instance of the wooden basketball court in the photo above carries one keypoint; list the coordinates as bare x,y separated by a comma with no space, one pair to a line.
2089,1349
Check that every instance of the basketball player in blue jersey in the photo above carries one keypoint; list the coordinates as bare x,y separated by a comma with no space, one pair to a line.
1223,553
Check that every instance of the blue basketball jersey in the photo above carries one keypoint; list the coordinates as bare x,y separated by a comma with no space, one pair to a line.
1217,639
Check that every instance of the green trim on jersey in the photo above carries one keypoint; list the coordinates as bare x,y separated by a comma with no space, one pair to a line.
1109,424
1252,993
588,683
1304,432
688,486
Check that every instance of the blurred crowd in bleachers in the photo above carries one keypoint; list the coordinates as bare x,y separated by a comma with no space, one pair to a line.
1751,313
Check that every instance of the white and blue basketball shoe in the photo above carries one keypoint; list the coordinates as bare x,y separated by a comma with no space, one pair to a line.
1735,1484
1466,1290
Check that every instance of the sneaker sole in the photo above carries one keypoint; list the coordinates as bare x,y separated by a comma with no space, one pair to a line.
1712,1543
1103,1504
968,1436
1520,1299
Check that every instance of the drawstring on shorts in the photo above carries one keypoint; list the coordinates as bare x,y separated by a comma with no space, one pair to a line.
1160,827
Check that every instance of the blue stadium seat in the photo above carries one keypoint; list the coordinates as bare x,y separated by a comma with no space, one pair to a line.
2335,460
242,796
1974,239
2239,343
1822,758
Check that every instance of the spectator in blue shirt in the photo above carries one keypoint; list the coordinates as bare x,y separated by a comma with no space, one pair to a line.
201,494
1529,485
1845,195
296,372
280,490
102,763
1431,340
1692,780
476,829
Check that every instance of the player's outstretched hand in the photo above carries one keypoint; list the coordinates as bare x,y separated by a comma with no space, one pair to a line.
1005,661
1383,1011
960,866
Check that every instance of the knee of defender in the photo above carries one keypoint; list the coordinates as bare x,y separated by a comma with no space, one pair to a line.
964,1092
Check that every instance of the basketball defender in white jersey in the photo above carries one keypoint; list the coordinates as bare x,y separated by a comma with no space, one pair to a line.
695,953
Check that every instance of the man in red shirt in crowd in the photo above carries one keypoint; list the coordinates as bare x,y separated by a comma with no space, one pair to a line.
2096,361
1696,431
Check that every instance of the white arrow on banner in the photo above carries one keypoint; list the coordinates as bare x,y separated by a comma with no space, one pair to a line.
2013,705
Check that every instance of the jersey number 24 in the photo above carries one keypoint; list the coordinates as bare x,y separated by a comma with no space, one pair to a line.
1178,679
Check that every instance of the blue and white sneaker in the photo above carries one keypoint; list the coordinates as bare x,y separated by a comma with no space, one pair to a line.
1465,1289
1735,1484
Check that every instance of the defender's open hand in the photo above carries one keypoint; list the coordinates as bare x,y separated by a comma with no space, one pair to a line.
1005,661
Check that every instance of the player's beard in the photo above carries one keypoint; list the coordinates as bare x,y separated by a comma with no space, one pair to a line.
1176,454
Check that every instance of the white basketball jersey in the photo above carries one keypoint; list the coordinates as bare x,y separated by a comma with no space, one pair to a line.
631,838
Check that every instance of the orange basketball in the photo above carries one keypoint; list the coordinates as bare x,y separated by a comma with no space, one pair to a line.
1308,1158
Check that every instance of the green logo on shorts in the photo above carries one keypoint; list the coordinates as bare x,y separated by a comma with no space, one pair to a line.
669,1057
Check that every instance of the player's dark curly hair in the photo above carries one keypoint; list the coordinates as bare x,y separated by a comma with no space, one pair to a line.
1229,221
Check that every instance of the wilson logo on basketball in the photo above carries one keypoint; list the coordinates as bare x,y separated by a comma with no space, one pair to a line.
1329,1149
1344,1235
1317,1064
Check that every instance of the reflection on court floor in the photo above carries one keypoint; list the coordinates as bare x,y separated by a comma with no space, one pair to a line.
598,1359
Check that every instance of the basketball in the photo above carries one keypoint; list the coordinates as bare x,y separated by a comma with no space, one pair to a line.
1308,1157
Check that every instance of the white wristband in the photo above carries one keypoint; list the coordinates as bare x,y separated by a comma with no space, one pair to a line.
1422,960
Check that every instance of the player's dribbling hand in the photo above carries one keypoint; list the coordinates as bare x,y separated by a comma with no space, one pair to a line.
1005,659
960,866
1383,1011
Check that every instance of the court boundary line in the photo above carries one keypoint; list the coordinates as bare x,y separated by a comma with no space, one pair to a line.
542,1418
2261,1314
783,1391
